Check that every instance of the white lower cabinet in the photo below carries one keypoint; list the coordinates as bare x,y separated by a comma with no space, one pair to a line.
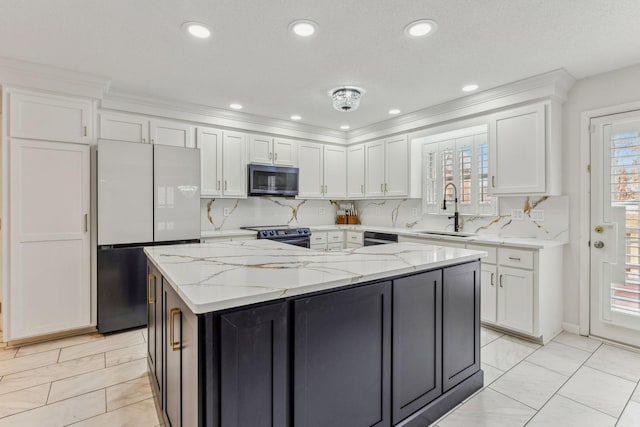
521,290
318,241
355,239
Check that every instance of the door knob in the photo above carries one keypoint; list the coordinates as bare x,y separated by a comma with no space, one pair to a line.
598,244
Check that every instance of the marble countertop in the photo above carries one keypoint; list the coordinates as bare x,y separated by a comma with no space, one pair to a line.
222,275
489,239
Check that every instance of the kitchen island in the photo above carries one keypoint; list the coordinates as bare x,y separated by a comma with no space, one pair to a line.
259,333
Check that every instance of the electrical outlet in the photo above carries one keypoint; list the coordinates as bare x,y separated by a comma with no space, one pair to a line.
226,211
414,212
321,211
517,214
537,215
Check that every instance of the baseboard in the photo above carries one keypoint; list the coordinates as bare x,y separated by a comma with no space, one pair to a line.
571,327
50,337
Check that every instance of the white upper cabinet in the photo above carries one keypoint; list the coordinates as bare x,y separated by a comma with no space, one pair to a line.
311,164
387,168
168,132
517,151
396,183
323,171
124,127
355,171
209,141
50,117
374,169
133,128
234,164
222,163
335,172
272,151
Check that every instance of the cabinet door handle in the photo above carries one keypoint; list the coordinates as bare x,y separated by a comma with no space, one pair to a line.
175,345
275,156
362,188
514,258
269,155
218,185
382,188
84,131
225,185
151,300
493,181
86,222
500,279
492,278
144,140
325,189
385,187
322,189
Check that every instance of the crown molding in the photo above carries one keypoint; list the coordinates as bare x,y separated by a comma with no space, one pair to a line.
218,117
554,85
30,75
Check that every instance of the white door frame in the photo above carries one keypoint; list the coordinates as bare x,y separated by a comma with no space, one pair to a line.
585,205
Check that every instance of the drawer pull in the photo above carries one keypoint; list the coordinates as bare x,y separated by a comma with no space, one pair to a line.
151,300
500,280
175,345
492,277
514,258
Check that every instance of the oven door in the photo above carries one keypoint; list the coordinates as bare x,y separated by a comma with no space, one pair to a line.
303,242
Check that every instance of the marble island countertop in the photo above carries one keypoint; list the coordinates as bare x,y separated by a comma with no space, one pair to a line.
222,275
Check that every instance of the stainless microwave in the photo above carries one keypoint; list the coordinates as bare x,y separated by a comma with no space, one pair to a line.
272,181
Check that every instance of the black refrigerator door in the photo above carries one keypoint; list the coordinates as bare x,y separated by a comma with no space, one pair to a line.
122,291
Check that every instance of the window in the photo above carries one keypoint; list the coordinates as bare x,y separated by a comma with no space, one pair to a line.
460,158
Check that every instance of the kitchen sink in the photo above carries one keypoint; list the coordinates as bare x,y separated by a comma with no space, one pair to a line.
447,233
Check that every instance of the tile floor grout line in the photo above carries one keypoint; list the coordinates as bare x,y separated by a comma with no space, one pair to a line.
107,412
614,375
48,404
637,387
98,352
513,398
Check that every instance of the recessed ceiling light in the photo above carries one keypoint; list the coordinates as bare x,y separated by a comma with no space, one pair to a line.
235,106
303,27
345,127
196,29
394,111
295,117
469,88
420,28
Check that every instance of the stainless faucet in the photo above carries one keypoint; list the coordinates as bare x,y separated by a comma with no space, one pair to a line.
456,215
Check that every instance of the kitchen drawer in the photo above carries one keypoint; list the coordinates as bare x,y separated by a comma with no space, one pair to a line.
491,258
520,258
354,237
333,247
318,238
335,236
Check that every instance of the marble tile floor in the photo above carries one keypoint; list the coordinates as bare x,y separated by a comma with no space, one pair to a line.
87,380
572,381
96,380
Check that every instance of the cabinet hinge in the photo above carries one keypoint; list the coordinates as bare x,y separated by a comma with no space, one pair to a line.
589,168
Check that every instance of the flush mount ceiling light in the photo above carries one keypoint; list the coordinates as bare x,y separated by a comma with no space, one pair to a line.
346,98
235,106
295,117
420,28
470,88
394,111
197,30
345,127
303,27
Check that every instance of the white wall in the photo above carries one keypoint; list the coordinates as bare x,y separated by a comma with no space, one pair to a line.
603,90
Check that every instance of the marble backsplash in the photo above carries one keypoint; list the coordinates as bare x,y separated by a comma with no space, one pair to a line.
264,211
407,213
390,213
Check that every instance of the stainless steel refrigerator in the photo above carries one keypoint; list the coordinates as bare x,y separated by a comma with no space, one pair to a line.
147,195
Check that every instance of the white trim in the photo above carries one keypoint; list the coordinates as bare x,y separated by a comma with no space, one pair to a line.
217,117
552,85
571,328
585,205
52,79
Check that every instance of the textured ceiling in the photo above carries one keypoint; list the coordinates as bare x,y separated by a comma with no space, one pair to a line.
253,59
